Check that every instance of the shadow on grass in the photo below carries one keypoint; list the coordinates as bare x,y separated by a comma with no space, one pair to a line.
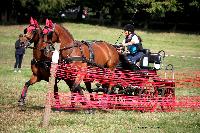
80,111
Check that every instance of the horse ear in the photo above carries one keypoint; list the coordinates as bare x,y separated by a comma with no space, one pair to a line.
50,24
47,22
36,23
32,21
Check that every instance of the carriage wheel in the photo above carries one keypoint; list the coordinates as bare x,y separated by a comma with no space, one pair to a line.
148,97
168,98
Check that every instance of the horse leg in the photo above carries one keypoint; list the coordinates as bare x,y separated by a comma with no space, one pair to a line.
76,88
111,64
32,81
76,85
89,89
70,85
107,86
110,91
56,96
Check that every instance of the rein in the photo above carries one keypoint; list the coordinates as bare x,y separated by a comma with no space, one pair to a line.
31,47
69,47
69,58
82,58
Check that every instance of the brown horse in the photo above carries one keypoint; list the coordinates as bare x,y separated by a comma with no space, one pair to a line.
103,53
40,64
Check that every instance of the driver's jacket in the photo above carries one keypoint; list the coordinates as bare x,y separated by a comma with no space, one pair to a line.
134,48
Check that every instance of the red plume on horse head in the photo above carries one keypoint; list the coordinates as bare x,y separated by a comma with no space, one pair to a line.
33,25
49,23
34,22
48,27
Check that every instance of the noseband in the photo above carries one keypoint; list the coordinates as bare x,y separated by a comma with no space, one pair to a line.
49,32
33,29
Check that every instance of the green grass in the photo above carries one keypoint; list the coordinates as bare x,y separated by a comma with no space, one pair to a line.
14,120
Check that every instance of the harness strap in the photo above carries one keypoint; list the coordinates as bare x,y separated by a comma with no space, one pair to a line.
89,43
43,64
79,58
82,58
31,47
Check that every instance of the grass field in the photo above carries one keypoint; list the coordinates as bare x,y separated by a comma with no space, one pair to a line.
12,120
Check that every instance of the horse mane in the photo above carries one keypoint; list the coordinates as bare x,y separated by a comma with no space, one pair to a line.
66,31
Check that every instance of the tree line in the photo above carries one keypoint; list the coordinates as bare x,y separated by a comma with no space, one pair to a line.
113,12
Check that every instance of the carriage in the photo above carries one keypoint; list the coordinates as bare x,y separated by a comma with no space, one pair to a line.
139,82
139,85
146,72
150,85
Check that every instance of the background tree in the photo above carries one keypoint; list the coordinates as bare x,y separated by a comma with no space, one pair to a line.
116,12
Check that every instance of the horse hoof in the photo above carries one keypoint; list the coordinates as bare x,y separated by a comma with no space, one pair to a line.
92,111
89,111
57,109
21,102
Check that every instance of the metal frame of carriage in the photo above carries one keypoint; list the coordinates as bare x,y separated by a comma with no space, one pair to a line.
146,83
154,86
151,93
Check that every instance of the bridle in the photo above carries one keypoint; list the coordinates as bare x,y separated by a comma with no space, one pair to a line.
49,31
33,29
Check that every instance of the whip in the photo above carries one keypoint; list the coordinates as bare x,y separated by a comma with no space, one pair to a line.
119,38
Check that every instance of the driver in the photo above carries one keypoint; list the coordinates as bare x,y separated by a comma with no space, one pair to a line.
133,44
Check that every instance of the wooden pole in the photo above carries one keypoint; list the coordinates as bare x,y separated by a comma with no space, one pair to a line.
47,110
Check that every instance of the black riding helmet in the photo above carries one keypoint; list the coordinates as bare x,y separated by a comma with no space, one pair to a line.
129,27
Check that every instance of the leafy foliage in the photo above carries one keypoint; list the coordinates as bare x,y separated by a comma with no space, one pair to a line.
117,10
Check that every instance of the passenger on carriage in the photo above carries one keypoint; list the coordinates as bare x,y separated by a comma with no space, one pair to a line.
133,44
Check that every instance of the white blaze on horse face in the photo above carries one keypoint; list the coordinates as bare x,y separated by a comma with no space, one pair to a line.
55,56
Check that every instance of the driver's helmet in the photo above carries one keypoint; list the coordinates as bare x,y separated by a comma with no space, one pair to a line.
129,27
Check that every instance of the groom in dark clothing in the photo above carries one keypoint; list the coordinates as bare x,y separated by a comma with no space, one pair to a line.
19,53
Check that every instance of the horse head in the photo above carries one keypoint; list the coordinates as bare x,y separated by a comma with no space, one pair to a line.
48,32
55,33
33,31
33,34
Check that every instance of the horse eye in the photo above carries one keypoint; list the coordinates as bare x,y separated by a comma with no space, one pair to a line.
25,30
42,34
34,31
50,34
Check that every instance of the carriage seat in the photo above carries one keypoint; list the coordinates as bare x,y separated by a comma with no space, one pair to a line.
147,59
146,51
154,58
